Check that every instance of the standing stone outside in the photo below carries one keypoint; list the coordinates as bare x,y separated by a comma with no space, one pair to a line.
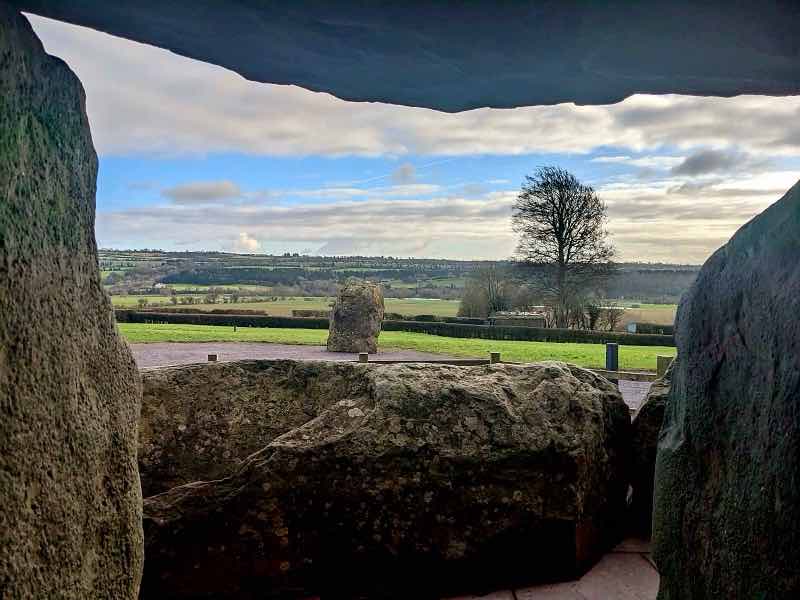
355,321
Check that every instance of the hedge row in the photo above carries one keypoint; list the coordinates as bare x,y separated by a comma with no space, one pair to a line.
132,316
530,334
456,330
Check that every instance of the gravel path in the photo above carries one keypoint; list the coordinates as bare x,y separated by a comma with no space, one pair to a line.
169,353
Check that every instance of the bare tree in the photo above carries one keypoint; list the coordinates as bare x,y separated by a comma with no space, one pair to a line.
611,316
488,290
563,240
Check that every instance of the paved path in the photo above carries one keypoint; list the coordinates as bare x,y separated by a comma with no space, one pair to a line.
634,392
183,353
626,573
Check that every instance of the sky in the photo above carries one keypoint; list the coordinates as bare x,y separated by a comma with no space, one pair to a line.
195,157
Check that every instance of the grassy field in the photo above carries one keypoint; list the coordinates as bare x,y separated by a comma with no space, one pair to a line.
660,314
587,355
283,308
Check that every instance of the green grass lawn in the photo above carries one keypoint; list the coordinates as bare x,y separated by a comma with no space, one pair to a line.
639,358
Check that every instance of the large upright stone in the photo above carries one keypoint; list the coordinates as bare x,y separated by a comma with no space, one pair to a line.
70,504
727,493
355,320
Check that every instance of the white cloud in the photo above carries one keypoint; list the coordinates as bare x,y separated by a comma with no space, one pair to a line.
202,192
143,99
645,162
653,219
245,244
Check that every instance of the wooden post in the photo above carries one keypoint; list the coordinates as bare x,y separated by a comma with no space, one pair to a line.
363,357
662,364
212,358
494,357
612,357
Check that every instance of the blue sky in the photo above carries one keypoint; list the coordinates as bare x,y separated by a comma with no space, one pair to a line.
195,157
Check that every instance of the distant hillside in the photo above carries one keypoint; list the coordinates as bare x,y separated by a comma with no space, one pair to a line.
293,274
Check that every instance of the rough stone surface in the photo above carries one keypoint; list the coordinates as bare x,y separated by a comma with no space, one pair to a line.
726,520
417,475
646,428
70,502
464,55
356,317
199,421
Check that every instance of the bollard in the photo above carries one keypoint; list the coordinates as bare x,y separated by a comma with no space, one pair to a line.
612,357
212,358
494,357
363,357
662,364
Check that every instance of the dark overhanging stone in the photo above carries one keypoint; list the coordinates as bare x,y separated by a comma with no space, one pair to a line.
457,56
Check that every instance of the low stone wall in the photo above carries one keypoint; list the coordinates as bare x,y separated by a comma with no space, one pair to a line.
408,475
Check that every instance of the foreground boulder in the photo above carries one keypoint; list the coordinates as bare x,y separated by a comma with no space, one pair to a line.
355,320
421,475
726,520
646,427
70,503
198,422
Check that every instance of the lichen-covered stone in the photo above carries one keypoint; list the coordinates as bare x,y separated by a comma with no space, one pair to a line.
355,320
646,427
199,421
70,503
726,519
409,476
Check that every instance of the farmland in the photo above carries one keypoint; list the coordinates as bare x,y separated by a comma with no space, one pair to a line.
282,307
586,355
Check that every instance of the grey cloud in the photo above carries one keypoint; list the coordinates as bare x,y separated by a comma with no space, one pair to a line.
710,161
202,192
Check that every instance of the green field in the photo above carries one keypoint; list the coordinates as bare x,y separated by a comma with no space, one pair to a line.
133,301
587,355
283,308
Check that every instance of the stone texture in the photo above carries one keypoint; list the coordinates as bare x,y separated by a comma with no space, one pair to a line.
646,428
199,421
726,521
461,56
70,503
465,477
355,320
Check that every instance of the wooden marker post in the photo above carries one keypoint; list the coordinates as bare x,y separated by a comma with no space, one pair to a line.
662,364
612,357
